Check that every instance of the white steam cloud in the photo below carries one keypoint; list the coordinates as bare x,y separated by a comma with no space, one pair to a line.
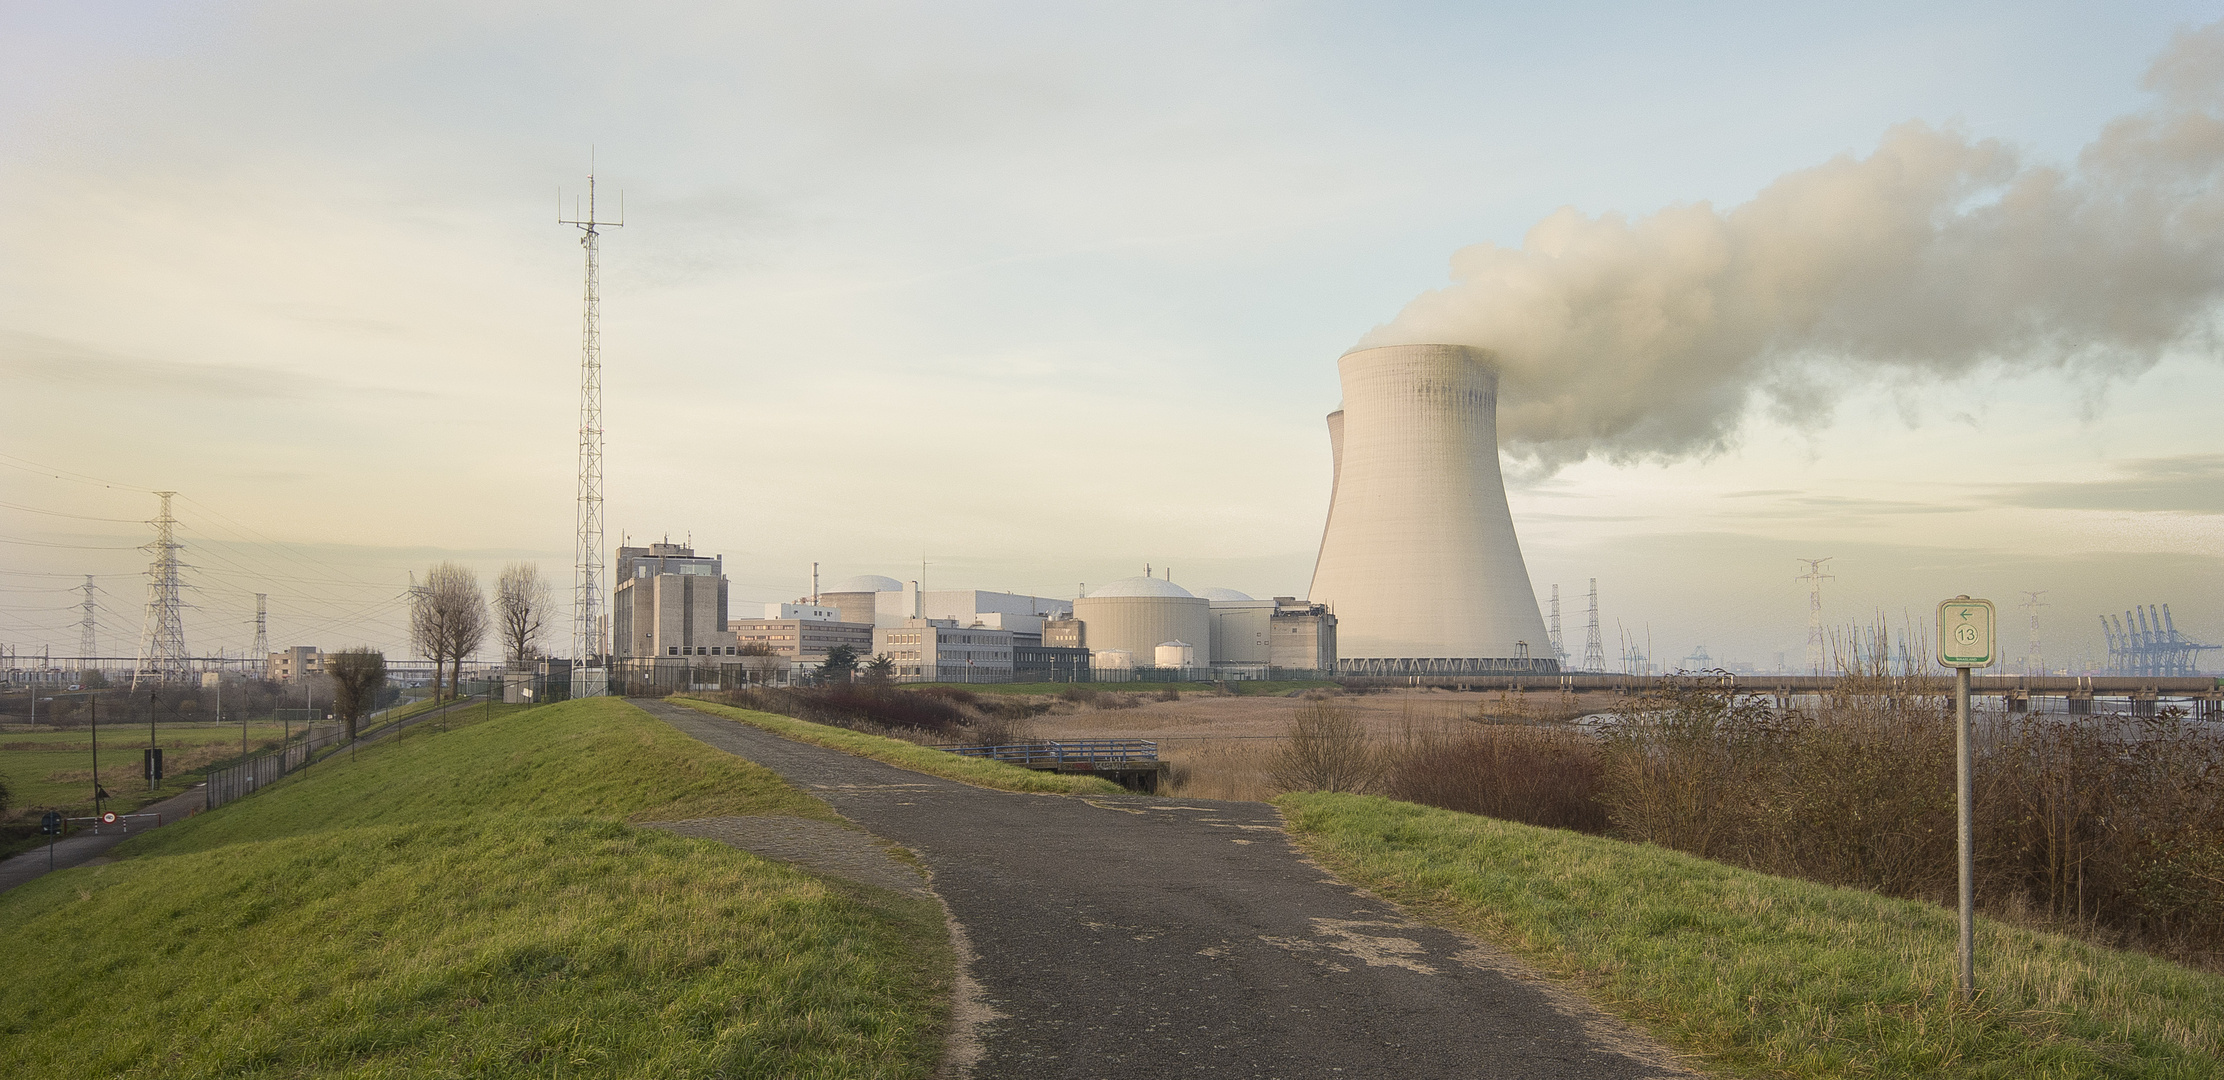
1934,257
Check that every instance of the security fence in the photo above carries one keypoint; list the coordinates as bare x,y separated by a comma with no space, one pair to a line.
249,776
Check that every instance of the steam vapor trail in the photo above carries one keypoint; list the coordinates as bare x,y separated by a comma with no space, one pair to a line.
1934,257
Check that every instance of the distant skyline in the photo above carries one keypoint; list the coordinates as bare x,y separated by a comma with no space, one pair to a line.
1038,296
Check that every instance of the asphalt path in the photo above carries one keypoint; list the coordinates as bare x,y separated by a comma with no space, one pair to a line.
1141,936
86,845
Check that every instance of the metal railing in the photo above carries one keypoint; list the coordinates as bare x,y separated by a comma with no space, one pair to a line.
1083,752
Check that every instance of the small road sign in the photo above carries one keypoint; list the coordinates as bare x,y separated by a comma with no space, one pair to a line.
1965,633
50,822
108,818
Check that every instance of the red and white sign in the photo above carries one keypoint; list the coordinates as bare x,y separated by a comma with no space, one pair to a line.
108,818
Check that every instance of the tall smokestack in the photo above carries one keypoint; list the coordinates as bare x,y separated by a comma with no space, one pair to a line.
1419,557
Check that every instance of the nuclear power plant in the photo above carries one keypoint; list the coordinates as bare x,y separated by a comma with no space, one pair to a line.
1419,561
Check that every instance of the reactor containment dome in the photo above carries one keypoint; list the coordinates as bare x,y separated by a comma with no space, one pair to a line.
1419,558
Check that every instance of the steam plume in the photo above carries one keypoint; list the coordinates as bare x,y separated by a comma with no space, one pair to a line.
1935,256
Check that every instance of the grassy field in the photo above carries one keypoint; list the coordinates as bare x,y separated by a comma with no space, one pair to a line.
975,771
474,903
1765,976
53,770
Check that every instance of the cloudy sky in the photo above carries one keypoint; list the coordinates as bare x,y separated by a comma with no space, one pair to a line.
1041,293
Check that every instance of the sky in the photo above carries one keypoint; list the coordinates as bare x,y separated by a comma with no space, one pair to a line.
1024,295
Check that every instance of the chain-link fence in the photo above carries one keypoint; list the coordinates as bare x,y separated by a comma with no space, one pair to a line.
252,775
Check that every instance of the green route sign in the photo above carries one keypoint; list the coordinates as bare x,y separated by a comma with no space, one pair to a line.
1965,633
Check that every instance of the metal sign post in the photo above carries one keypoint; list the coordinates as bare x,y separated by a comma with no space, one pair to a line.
1965,640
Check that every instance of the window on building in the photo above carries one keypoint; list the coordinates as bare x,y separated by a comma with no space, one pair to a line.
671,650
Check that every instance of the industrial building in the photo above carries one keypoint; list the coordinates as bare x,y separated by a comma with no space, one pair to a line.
300,661
1136,615
939,650
1252,639
668,602
801,641
1418,559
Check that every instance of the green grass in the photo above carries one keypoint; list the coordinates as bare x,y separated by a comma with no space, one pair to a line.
1766,976
53,769
942,763
1237,687
473,903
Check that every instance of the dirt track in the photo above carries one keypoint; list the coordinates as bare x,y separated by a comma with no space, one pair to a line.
1133,936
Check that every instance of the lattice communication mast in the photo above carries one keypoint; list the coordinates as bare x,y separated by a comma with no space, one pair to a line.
1814,577
586,628
262,628
162,657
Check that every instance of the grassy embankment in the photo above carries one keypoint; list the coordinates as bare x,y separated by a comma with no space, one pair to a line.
473,903
1767,976
942,763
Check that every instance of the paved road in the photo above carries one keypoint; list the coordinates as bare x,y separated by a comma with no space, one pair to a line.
85,846
1133,936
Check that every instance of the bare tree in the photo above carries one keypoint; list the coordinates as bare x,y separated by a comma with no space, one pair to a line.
356,675
521,603
448,621
1328,750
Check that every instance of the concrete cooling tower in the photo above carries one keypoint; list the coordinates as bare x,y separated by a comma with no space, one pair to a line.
1419,558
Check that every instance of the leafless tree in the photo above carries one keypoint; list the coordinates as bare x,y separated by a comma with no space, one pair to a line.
1328,750
448,621
521,604
356,675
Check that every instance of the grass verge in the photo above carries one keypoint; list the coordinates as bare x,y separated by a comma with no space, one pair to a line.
473,903
949,766
1766,976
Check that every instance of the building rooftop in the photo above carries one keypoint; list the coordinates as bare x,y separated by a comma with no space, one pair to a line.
864,583
1139,586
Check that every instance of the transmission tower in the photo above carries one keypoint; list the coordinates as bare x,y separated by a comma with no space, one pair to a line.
586,627
1594,650
162,657
88,646
1559,652
262,628
2034,662
1814,577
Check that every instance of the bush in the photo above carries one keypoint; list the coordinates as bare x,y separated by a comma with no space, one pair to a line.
2110,827
1328,750
1169,694
1078,693
1537,775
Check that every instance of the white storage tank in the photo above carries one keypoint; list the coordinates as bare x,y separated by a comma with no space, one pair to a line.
1136,614
1176,654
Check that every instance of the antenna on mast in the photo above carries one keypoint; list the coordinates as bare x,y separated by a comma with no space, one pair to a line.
587,647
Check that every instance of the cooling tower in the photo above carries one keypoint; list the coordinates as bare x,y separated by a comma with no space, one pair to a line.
1419,557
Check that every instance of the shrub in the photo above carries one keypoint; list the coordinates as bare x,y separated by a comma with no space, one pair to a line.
1169,694
1549,776
1328,750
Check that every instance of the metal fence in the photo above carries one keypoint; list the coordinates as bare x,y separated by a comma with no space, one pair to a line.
249,776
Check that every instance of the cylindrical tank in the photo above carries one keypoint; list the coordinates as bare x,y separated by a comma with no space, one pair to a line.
1175,654
855,597
1134,615
1419,557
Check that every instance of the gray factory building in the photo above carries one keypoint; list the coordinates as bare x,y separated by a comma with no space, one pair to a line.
1253,639
939,650
668,601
